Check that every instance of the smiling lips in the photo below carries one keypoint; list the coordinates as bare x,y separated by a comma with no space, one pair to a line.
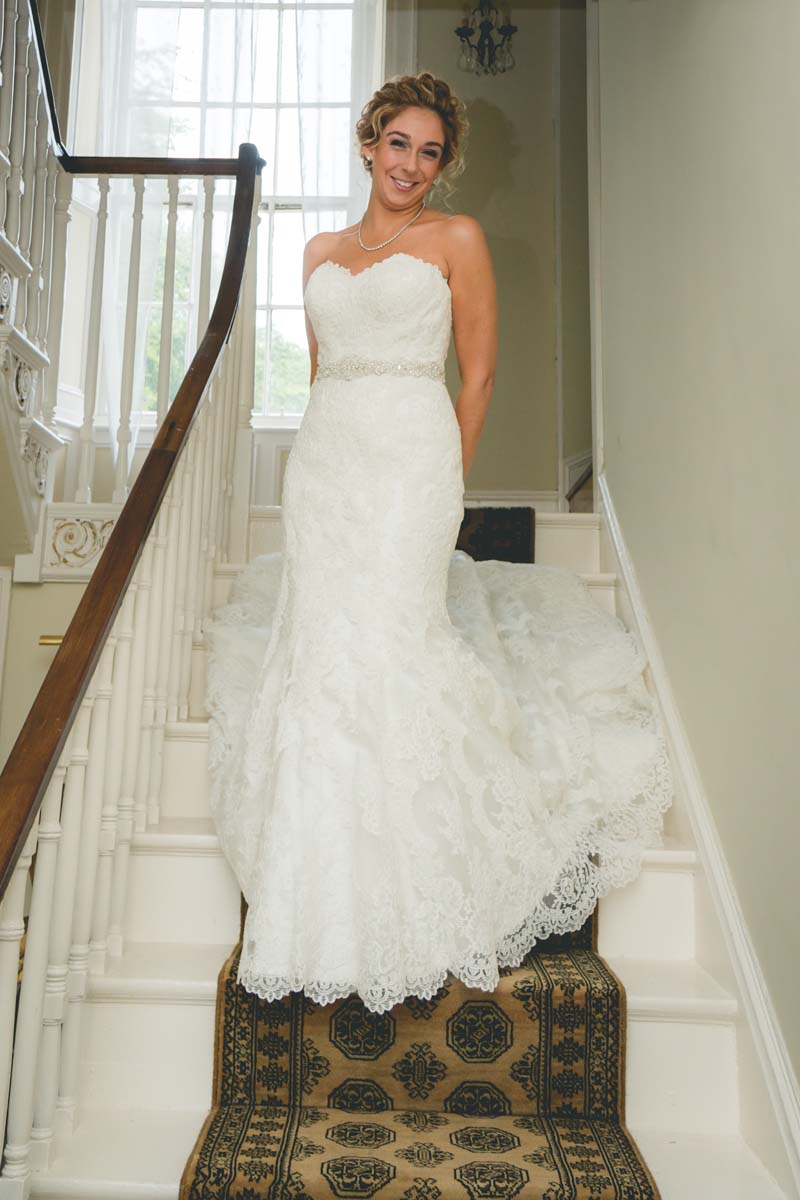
404,186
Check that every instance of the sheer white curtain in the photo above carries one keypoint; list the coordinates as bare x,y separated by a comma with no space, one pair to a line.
199,78
340,51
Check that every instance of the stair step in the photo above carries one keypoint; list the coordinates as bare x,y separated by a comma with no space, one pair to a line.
150,1033
135,1154
182,889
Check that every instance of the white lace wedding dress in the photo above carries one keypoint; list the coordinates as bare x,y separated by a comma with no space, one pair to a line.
419,763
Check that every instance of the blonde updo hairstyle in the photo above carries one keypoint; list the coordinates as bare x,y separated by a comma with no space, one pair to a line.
419,91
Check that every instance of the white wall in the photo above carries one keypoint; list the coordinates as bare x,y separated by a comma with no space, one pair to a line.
700,103
35,609
510,187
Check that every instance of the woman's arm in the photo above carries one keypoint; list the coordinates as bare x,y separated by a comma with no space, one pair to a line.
474,301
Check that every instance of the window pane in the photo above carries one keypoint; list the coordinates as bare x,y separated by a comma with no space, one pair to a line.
259,387
242,62
168,54
289,363
327,150
287,259
325,56
165,131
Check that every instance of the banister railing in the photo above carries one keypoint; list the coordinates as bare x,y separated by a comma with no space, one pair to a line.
35,753
85,772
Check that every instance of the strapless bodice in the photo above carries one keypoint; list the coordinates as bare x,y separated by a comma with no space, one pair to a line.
397,310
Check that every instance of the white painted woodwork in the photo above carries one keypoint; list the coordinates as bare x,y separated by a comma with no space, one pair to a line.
129,345
83,493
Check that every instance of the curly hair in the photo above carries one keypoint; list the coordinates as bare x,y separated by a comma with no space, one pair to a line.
420,91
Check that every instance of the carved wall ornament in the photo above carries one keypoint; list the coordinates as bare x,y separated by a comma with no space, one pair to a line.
6,293
23,383
76,541
37,455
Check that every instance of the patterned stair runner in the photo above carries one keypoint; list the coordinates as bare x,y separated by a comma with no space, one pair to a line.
517,1093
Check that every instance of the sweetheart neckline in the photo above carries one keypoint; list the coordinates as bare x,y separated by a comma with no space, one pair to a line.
397,254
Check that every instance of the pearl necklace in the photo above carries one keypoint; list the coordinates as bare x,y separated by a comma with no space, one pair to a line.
394,235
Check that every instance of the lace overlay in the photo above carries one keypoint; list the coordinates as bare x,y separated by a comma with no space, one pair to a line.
420,764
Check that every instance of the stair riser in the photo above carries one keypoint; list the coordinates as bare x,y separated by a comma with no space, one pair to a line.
183,898
184,788
194,898
147,1055
680,1074
653,917
560,542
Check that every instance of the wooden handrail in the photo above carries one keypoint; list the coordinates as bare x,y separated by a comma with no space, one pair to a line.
96,165
584,477
35,753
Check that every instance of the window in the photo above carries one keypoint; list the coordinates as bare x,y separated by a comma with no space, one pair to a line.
198,77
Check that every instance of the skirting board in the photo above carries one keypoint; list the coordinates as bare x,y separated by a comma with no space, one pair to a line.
779,1077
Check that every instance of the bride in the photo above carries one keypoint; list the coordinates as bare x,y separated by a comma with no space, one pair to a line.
419,763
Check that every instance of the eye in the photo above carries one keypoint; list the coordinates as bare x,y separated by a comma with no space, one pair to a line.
401,144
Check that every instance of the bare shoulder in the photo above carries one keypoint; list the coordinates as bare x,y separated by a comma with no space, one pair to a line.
466,247
465,234
317,249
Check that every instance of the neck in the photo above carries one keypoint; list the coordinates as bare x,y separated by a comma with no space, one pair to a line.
379,222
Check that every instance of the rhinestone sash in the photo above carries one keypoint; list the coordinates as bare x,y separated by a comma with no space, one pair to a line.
350,368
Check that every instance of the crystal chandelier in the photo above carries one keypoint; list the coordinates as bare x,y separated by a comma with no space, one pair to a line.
491,53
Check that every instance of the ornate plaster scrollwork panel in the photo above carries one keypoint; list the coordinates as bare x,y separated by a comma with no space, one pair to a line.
76,542
70,539
6,295
24,384
38,458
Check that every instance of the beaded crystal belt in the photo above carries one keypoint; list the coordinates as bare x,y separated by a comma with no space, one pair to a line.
348,368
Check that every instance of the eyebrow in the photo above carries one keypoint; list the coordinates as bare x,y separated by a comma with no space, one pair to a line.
405,135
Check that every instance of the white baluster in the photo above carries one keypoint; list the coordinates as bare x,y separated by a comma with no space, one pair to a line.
16,143
33,304
89,841
155,625
199,481
83,492
28,181
61,928
130,750
230,411
166,637
200,438
16,1166
12,927
168,303
61,220
181,576
6,95
129,347
239,387
47,254
115,741
243,443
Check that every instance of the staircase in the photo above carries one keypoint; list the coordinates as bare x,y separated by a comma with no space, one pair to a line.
146,1062
131,914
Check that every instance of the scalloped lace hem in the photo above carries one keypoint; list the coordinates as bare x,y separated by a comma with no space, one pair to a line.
473,973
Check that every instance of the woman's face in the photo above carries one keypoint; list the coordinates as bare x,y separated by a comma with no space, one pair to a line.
409,152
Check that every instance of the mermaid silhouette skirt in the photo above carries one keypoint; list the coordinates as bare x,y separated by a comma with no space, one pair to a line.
419,763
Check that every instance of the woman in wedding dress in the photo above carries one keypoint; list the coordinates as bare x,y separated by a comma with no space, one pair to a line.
419,763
